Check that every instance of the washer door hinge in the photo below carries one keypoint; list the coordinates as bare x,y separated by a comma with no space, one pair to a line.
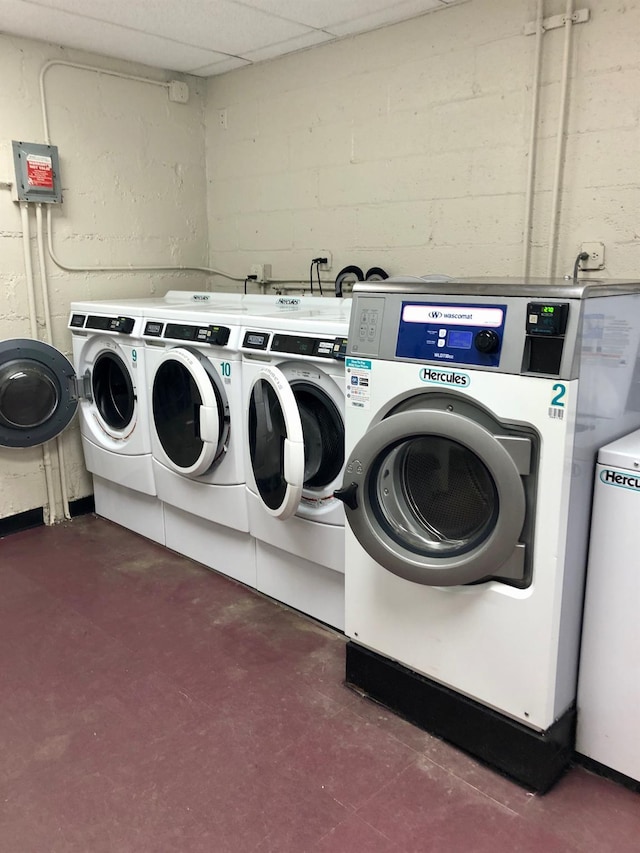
80,387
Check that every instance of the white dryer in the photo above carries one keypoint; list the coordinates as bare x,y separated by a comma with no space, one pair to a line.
293,387
471,429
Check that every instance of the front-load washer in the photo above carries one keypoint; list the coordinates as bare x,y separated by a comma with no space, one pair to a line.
109,350
42,391
293,387
472,423
194,391
194,380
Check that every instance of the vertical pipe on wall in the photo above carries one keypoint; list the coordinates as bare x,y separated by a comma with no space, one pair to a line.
50,509
48,336
562,121
535,103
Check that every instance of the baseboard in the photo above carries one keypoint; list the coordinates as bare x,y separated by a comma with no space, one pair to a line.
533,759
608,772
82,506
35,517
21,521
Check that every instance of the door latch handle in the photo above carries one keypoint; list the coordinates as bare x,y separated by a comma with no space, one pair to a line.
348,495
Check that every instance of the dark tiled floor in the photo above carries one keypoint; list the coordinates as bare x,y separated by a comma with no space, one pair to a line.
150,705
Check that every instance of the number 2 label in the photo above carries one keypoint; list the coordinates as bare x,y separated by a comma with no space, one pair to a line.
560,390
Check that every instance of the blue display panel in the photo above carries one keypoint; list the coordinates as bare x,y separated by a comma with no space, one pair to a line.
465,334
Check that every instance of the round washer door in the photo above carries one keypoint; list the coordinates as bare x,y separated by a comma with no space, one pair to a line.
276,443
37,395
435,498
190,412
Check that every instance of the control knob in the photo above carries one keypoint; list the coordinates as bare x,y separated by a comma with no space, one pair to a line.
486,341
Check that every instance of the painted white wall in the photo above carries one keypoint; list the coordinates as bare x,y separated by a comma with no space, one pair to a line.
407,148
132,167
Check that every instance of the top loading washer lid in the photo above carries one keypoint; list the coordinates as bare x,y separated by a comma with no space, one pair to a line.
623,452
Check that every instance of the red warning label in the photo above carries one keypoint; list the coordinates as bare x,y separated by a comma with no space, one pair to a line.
39,171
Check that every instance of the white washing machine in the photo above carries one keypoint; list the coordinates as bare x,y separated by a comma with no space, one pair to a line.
194,389
293,387
609,678
42,391
114,416
194,385
472,424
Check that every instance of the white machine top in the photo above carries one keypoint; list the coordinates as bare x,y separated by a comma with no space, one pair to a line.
623,452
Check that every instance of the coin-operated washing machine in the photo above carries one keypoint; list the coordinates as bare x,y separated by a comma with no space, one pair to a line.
114,416
293,387
473,415
41,391
194,388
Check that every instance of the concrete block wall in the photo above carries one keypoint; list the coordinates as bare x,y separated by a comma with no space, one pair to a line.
132,167
405,148
408,147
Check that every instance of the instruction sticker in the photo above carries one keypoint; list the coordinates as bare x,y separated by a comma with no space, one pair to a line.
39,171
358,382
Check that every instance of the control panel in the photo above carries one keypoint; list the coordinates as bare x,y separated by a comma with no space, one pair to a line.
214,335
300,345
465,334
122,325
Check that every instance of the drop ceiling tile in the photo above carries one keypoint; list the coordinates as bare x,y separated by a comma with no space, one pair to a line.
321,13
220,25
309,40
228,64
31,21
389,15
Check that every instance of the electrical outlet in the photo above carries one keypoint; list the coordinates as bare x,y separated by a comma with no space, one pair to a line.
325,253
595,261
262,272
222,119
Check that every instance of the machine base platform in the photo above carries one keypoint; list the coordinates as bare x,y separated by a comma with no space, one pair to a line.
533,759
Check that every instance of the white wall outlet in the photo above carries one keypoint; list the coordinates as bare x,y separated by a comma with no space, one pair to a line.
325,253
262,272
595,261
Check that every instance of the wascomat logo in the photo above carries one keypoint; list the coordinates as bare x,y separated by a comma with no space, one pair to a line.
201,297
445,377
450,315
617,478
287,300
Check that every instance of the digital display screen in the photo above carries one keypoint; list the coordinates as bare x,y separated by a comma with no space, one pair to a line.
181,333
256,340
548,309
153,329
77,320
457,339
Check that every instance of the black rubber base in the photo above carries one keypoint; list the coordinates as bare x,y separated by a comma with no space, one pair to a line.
21,521
82,506
533,759
607,772
35,517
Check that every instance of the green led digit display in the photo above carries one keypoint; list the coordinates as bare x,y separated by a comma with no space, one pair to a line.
548,309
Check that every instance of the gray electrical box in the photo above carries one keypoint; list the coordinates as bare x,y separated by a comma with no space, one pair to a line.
37,172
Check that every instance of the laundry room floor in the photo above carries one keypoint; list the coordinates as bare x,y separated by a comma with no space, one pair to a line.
149,705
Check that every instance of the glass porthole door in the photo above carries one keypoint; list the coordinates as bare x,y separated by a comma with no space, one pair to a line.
190,412
276,443
438,499
38,392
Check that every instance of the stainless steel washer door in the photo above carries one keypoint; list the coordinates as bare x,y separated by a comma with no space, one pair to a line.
438,499
37,397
